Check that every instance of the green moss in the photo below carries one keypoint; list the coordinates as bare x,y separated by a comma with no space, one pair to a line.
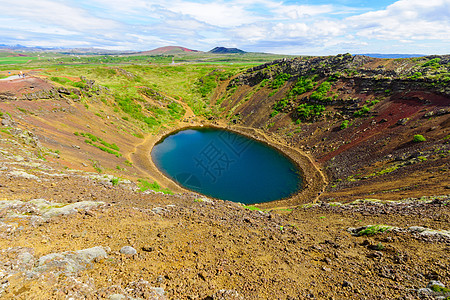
253,208
418,138
344,124
374,229
363,111
145,185
321,92
308,112
440,289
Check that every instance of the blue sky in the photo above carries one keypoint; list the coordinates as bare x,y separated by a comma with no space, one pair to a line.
314,27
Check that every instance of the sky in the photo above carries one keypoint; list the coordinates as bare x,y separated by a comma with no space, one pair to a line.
308,27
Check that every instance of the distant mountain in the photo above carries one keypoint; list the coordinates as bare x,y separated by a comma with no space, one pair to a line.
223,50
378,55
168,50
69,51
24,48
91,51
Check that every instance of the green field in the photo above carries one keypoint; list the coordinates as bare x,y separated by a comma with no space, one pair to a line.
7,59
140,86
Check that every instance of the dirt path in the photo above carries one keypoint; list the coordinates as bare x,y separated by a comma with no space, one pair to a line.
140,155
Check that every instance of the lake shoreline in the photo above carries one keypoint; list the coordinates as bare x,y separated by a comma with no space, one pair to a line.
314,181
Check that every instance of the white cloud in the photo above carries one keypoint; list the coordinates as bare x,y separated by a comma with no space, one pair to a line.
257,25
216,14
302,11
406,19
57,14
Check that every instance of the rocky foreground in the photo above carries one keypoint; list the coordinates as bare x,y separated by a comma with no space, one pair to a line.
69,234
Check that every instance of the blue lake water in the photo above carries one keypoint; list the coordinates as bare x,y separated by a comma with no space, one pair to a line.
226,165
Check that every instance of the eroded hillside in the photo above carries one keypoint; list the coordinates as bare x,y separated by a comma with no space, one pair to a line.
357,116
84,214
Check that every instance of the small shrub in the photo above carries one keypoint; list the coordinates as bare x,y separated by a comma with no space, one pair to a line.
252,207
364,110
416,75
115,181
419,138
321,92
308,112
432,62
144,185
374,229
440,289
379,246
279,80
344,124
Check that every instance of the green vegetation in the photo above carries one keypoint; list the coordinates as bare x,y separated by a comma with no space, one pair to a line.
17,60
302,86
386,171
92,139
309,112
374,229
253,208
363,111
96,165
344,124
416,75
321,92
279,80
115,181
419,138
144,185
207,84
440,289
379,246
434,63
373,102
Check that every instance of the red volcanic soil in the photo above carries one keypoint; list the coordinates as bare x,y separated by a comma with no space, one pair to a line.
412,105
26,85
167,50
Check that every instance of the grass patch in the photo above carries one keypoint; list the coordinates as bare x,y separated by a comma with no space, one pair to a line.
344,124
308,112
253,208
440,289
374,229
321,92
105,146
145,185
418,138
363,111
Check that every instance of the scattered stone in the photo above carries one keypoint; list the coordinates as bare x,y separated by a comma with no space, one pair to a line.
425,291
402,121
68,262
147,249
435,283
117,297
128,250
23,174
227,295
346,283
7,121
158,210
